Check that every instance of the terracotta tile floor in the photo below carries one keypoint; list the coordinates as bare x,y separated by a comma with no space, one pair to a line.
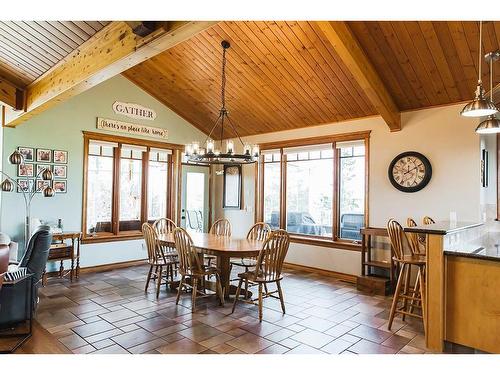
109,312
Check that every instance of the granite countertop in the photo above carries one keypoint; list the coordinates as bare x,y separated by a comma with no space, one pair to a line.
442,227
487,246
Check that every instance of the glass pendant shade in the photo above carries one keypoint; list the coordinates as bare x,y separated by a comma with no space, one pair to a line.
489,126
480,106
48,192
47,175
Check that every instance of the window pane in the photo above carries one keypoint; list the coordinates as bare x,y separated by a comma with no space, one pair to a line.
99,194
157,190
352,194
130,194
309,197
272,194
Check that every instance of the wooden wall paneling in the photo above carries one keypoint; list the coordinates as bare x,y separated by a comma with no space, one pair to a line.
352,54
436,51
372,40
404,58
274,70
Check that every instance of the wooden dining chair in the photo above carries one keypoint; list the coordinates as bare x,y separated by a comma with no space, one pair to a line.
165,226
417,242
267,270
428,220
410,297
157,259
221,227
260,232
190,266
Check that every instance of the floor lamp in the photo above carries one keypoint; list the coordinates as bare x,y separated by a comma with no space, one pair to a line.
8,185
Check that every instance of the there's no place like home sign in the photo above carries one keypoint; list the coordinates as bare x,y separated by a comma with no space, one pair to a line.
129,128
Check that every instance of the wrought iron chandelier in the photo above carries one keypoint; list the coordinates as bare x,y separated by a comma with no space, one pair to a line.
212,154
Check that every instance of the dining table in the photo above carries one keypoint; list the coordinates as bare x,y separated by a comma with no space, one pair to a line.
224,248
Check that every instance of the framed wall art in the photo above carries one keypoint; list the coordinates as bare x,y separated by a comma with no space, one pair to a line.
60,157
28,153
60,186
43,155
26,170
232,186
60,171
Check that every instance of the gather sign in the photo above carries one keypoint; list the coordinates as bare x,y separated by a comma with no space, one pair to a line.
134,110
135,129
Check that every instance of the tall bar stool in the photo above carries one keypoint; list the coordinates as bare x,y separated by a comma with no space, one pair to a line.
410,297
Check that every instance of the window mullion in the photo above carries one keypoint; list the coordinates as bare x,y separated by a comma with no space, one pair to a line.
144,186
283,171
116,189
336,192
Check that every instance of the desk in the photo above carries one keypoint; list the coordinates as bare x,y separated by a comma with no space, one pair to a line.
224,248
60,251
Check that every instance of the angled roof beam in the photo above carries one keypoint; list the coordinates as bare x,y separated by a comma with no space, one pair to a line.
11,95
348,48
109,52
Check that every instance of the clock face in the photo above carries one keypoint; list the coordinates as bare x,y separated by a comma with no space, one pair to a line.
410,172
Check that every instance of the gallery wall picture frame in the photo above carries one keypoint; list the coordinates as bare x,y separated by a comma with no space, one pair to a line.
232,187
41,184
26,170
28,153
41,167
60,186
43,155
26,185
60,157
60,171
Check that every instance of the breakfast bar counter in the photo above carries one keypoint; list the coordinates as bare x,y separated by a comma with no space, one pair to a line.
462,285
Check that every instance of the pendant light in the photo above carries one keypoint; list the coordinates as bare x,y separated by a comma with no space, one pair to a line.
491,125
212,154
480,106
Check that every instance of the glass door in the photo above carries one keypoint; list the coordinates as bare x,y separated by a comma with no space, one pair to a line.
194,198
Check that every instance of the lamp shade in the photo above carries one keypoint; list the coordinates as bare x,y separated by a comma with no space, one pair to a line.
489,126
16,158
7,185
48,192
47,175
480,106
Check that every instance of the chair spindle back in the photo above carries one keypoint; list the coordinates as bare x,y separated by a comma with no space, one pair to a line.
428,220
189,262
259,231
164,226
397,237
151,239
272,255
221,227
414,239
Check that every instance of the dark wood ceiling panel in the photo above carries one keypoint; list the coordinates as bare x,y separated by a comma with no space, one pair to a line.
280,75
428,63
28,48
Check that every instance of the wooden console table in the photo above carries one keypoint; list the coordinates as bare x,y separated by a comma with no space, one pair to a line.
61,250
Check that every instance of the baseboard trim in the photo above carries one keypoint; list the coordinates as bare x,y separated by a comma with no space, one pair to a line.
104,267
338,275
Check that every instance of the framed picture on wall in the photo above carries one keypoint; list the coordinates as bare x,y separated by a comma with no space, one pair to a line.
28,153
60,186
25,185
41,167
41,184
60,171
232,187
26,170
43,155
60,157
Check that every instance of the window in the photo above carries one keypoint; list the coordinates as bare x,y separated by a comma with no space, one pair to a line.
317,192
125,185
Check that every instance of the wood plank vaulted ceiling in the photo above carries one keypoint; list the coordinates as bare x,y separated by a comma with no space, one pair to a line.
286,75
30,48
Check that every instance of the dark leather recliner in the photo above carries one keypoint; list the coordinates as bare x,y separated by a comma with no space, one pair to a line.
14,300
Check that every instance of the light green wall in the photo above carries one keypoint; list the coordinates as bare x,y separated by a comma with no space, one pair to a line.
61,128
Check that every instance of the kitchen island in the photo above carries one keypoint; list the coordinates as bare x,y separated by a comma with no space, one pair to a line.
462,285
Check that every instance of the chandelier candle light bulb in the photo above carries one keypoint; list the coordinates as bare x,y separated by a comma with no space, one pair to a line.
210,146
230,146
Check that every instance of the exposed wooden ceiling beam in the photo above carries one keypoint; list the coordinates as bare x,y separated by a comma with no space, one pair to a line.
11,95
109,52
348,48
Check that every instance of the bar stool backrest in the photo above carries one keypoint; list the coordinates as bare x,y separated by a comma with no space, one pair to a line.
259,231
221,227
398,238
428,220
414,240
189,262
271,257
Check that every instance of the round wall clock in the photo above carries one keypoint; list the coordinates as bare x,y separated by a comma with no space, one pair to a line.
410,172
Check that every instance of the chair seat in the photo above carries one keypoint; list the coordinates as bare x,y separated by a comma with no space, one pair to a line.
412,259
260,278
244,262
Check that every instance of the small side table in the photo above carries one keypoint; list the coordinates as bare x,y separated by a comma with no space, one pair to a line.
62,250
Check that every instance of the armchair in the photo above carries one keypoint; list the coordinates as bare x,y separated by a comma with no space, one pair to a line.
14,307
4,263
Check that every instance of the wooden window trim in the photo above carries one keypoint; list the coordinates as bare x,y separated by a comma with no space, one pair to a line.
334,242
116,235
